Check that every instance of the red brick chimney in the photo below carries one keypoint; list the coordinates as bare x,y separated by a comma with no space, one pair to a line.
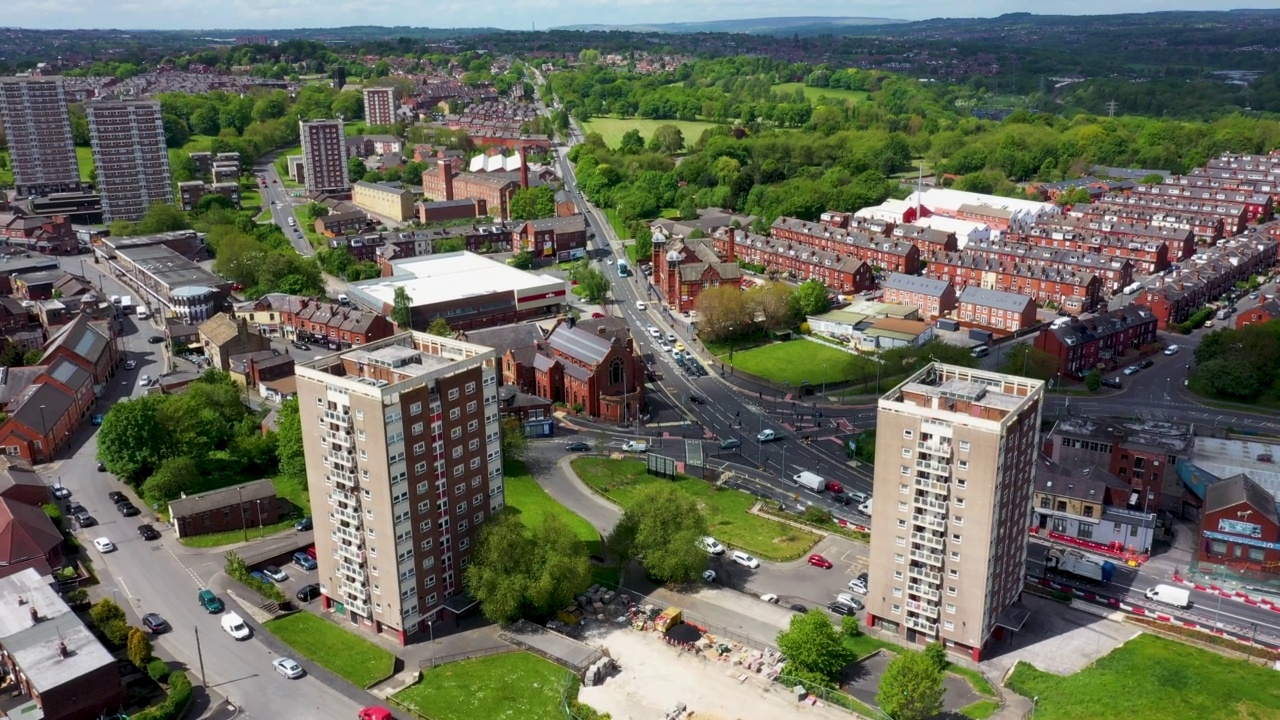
446,177
733,235
524,168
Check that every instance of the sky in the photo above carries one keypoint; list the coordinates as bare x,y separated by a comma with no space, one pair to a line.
515,14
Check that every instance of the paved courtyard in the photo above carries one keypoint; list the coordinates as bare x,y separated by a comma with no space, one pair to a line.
862,681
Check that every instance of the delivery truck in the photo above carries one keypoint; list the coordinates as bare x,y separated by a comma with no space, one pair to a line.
1078,566
809,481
1170,595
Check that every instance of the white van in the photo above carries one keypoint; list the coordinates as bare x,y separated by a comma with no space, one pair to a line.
142,313
980,351
235,626
1170,595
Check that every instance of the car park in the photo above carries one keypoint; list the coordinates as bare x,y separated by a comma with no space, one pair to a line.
307,593
275,573
817,560
103,545
745,560
304,561
148,532
154,623
210,602
287,667
578,447
859,586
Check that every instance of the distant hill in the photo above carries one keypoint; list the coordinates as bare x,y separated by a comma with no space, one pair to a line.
753,26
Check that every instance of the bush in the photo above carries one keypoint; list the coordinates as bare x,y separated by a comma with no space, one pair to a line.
139,647
115,631
237,569
816,515
175,705
158,670
79,596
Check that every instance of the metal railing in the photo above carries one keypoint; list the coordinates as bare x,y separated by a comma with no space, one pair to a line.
468,655
839,699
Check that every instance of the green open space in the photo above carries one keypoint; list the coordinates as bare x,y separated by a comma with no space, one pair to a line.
797,361
230,537
612,129
534,505
295,491
282,168
512,685
1151,677
728,519
343,653
84,158
812,94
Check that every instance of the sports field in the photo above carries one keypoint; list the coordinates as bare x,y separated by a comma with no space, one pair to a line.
612,129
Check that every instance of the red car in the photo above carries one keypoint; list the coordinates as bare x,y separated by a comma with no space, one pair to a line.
834,487
819,561
311,551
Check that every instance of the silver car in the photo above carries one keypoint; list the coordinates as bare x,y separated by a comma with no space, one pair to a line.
287,667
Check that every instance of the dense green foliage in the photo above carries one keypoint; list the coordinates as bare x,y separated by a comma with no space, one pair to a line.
911,687
526,572
814,648
662,529
1240,365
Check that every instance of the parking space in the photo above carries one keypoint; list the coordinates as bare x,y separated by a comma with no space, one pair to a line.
297,577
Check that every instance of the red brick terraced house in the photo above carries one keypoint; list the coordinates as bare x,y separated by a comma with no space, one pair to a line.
1004,313
841,273
1240,527
935,298
1116,272
1262,313
927,240
1207,277
1099,342
1077,292
52,235
889,254
1148,258
1207,228
1181,243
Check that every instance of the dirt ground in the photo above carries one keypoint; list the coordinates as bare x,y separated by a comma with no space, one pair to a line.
654,677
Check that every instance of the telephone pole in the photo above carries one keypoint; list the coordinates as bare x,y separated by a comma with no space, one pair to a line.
1111,108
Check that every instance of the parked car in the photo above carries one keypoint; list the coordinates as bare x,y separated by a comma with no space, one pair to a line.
797,607
303,524
859,586
578,447
210,602
304,561
104,545
709,575
770,598
712,546
1113,383
130,364
128,509
840,608
145,380
148,532
257,575
817,560
61,493
287,667
95,419
102,467
154,623
1131,370
307,593
275,573
851,601
745,560
1146,364
116,497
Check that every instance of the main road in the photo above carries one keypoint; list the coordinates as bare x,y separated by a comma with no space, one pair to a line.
160,577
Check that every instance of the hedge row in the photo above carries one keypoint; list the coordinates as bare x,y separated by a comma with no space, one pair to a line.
175,706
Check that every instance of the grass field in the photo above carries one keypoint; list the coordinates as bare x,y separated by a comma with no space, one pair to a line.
796,361
281,167
512,685
229,537
534,505
612,129
726,510
342,652
84,157
295,491
1151,677
812,93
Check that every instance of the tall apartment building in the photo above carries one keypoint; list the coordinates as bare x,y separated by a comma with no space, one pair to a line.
324,157
404,464
954,474
129,154
37,124
379,106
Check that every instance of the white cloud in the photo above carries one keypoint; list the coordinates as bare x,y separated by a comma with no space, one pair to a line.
514,14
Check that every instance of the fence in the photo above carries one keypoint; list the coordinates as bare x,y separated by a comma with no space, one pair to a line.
833,697
468,655
578,667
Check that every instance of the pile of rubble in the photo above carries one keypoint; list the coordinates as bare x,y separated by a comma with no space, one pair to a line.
599,671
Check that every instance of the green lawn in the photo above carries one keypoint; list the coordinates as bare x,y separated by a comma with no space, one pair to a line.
84,158
526,497
229,537
726,510
798,360
295,491
281,167
6,169
340,651
612,129
980,710
812,93
1151,677
517,685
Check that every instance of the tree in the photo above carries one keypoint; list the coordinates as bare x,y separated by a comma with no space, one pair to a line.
594,286
1093,381
514,442
533,203
631,142
1025,360
132,442
214,201
667,139
563,569
772,302
911,688
644,244
522,260
811,298
814,647
849,626
516,571
175,476
104,611
402,309
722,313
440,327
139,648
662,530
937,654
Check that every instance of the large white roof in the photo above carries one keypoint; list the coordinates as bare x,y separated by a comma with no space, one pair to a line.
951,200
494,163
439,278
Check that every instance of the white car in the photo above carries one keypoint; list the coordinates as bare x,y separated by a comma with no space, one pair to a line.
1131,370
1171,350
130,364
851,601
640,305
709,575
654,332
287,667
770,598
104,545
235,626
745,560
857,586
712,546
144,380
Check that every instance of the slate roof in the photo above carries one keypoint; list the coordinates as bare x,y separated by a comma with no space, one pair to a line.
15,473
79,337
579,344
998,299
27,411
1239,489
222,497
1081,331
929,287
220,329
25,532
17,380
520,339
